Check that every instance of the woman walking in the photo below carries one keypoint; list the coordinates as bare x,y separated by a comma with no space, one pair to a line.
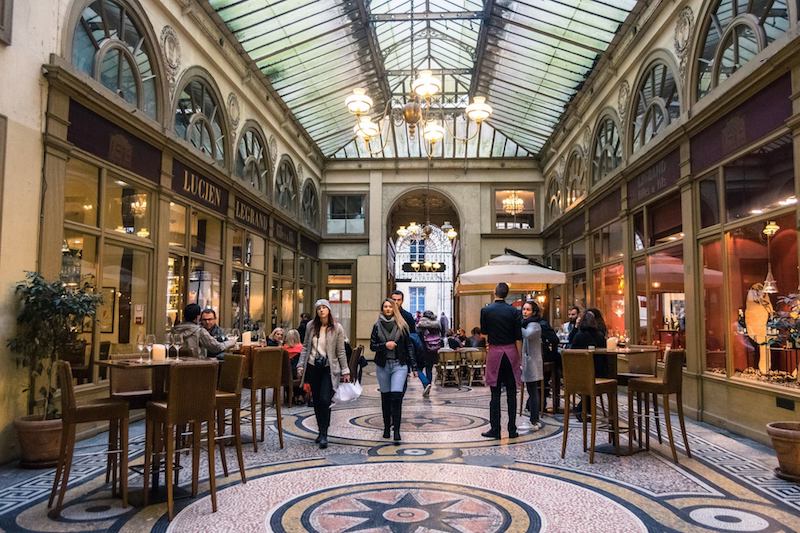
323,364
532,371
430,332
394,355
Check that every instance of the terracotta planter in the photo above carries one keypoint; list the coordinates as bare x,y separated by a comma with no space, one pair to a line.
39,441
786,441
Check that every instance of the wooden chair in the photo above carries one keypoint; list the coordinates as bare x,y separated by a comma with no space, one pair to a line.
448,367
134,386
670,383
229,396
72,414
642,363
266,373
579,378
475,364
82,365
352,364
191,400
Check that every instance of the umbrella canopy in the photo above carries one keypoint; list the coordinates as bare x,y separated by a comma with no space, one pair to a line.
520,275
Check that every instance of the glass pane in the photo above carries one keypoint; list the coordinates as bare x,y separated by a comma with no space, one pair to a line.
608,243
254,293
126,289
340,275
713,304
709,202
578,255
206,235
514,209
276,260
80,192
748,265
304,293
176,289
609,287
177,225
255,255
128,208
237,238
341,307
578,291
640,285
739,48
237,304
667,300
287,260
79,259
638,231
664,220
204,284
276,302
287,303
346,214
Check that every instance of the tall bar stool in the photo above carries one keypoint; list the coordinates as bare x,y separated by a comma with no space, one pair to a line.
642,363
579,379
115,411
266,373
229,396
191,400
670,383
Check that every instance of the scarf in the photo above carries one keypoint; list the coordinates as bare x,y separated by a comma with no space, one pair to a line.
530,319
388,331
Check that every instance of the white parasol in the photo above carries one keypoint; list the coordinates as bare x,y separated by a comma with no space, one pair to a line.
520,275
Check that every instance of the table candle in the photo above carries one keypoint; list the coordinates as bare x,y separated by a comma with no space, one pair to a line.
611,343
159,352
246,336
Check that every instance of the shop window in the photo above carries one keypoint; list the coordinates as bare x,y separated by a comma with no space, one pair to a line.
276,259
578,290
641,314
514,209
109,45
287,303
199,120
713,306
417,251
667,302
237,245
608,243
346,214
733,33
609,297
254,290
287,260
607,154
176,287
576,181
340,274
760,181
255,252
205,280
127,208
206,234
286,186
416,297
657,104
81,186
664,221
709,202
309,205
126,293
341,308
79,259
177,225
554,208
252,165
577,256
638,231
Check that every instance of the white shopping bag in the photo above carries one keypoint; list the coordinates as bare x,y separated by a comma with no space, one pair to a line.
347,392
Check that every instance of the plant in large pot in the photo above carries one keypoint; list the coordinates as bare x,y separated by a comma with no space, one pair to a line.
50,320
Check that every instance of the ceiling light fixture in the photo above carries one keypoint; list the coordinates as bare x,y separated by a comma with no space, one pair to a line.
513,204
770,285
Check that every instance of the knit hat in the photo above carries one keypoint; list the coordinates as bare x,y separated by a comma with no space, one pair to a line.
321,302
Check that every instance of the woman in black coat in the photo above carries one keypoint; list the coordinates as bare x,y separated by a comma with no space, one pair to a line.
589,335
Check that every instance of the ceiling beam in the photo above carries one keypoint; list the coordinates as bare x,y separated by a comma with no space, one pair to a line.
435,71
374,49
480,48
427,15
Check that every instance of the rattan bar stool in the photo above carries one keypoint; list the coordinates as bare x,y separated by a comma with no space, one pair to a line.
72,414
191,400
229,397
642,363
266,373
579,378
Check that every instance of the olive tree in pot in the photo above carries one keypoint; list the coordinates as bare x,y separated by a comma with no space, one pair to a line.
50,319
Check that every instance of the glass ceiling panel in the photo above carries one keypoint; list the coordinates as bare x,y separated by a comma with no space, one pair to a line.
315,52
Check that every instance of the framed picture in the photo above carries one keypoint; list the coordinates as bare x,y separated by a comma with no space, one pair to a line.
106,312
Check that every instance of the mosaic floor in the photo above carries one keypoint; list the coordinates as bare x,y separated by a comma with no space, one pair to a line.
444,477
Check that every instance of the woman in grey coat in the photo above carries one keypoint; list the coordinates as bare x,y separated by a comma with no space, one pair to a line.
323,364
532,372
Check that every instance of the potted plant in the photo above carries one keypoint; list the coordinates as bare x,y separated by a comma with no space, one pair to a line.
785,435
50,319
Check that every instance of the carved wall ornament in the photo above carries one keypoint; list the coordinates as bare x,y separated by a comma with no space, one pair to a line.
587,136
622,98
300,172
683,36
234,110
562,163
171,50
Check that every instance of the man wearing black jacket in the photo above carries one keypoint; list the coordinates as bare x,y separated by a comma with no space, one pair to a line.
398,297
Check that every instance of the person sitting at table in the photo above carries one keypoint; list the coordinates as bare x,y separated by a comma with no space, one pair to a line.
293,346
208,319
196,337
276,337
476,340
588,336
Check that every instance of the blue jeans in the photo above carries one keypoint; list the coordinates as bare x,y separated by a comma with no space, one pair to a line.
425,375
392,377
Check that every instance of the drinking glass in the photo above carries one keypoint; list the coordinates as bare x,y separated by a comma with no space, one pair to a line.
149,341
168,342
177,341
140,343
235,334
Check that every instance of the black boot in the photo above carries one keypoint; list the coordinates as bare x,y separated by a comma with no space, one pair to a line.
318,416
325,420
386,407
397,413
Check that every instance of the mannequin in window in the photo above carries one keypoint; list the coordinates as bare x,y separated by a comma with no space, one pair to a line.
757,311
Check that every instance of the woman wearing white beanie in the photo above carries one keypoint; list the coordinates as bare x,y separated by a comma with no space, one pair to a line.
323,364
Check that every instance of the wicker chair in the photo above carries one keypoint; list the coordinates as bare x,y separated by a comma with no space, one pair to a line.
229,397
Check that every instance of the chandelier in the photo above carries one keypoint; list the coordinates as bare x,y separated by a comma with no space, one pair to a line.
139,205
513,204
770,285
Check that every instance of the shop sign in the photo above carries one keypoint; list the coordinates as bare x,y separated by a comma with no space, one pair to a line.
761,114
284,233
659,176
193,185
251,216
309,246
91,132
606,209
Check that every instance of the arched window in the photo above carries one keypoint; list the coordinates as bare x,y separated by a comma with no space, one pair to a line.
109,45
309,205
251,162
657,104
607,153
286,186
198,119
733,33
576,182
554,199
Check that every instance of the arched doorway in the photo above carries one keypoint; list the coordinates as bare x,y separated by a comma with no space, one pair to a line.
423,263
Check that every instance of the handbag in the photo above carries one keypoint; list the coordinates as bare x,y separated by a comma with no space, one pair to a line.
347,392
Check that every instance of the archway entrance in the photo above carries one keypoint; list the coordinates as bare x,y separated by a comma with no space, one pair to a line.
423,264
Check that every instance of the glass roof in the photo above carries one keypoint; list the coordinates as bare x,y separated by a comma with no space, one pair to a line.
536,55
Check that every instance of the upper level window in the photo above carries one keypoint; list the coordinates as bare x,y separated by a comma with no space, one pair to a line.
417,250
607,153
553,199
346,214
286,186
576,183
733,33
109,45
513,209
310,205
198,119
251,162
657,104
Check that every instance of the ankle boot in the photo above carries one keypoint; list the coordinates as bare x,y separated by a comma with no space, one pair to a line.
386,407
325,420
397,412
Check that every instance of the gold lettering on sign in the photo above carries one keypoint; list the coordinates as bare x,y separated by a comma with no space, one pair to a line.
201,188
120,150
734,134
251,216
